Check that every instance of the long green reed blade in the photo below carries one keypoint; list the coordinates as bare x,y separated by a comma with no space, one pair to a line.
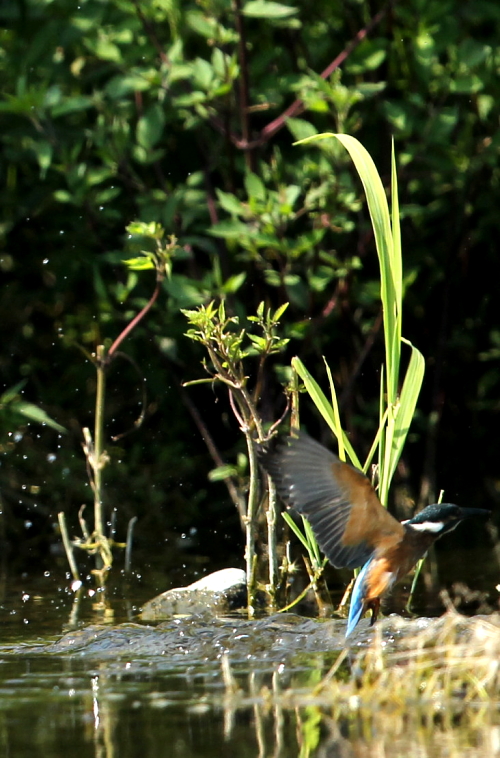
295,529
397,258
306,537
418,569
407,403
320,401
396,410
376,442
336,413
313,548
381,222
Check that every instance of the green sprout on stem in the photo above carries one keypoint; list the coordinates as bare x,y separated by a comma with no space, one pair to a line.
229,346
97,542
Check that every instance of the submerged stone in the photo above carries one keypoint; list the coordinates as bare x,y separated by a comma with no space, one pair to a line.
218,593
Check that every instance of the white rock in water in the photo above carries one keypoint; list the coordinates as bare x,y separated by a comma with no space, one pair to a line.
219,581
216,593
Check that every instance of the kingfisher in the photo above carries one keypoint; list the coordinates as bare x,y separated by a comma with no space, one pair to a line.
350,524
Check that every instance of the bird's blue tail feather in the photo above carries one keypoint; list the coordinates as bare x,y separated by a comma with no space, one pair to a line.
357,599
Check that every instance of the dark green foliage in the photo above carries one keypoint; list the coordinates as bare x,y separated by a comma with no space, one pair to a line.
153,111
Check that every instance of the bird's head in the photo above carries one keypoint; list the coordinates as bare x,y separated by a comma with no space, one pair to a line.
440,518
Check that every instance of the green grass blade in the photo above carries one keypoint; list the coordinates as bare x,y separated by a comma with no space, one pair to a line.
379,213
295,529
336,414
407,404
397,258
308,540
375,442
313,548
320,401
396,410
418,569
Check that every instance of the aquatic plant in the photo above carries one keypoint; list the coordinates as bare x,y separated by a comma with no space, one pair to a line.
399,391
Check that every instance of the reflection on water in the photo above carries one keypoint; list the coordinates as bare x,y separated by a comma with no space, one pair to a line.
62,707
202,687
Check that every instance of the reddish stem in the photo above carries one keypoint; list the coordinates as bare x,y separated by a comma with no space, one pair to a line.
298,106
118,341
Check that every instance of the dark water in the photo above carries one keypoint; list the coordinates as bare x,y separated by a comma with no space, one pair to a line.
85,679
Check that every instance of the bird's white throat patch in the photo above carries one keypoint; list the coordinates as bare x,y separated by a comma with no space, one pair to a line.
427,526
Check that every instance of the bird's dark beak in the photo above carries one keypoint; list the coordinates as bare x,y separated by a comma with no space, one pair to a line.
474,513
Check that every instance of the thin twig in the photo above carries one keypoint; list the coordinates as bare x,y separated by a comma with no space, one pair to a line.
243,424
277,423
83,524
68,547
118,341
128,549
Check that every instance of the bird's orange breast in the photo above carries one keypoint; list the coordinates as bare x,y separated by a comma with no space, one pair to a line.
394,561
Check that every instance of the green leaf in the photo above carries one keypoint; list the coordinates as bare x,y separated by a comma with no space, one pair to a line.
367,57
229,229
150,126
234,283
267,9
222,472
470,52
122,85
279,312
12,392
230,203
139,264
72,105
300,128
254,186
34,413
44,152
292,193
191,98
201,24
106,50
203,73
259,342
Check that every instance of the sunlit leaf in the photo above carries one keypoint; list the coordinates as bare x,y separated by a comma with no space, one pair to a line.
267,9
34,413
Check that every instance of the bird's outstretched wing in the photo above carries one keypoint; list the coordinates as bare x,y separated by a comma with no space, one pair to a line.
346,516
